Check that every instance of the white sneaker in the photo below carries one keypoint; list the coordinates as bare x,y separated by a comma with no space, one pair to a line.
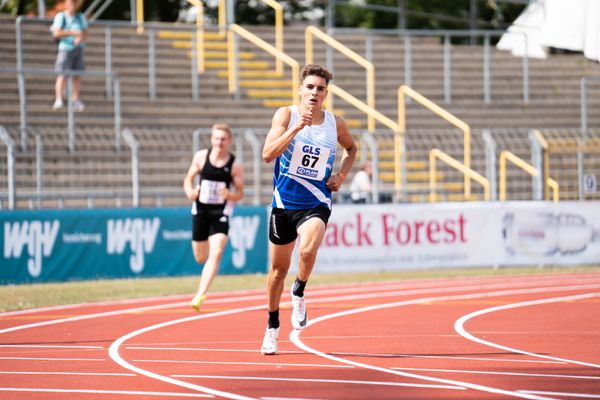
269,345
299,317
78,105
58,104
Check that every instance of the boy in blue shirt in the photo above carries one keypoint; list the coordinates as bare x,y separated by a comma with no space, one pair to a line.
70,28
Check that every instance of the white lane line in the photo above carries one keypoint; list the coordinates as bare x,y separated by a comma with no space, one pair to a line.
65,373
466,371
92,316
205,349
343,381
113,351
37,346
564,394
288,398
459,326
52,359
295,334
88,305
447,357
245,295
115,346
245,363
372,285
381,355
371,295
92,391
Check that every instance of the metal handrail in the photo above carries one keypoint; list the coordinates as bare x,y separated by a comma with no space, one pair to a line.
34,198
367,137
583,83
233,61
153,26
467,171
368,66
139,15
400,161
71,113
490,162
255,144
541,159
278,8
200,56
10,166
519,162
404,90
406,34
135,165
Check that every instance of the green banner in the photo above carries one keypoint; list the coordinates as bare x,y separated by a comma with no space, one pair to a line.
61,245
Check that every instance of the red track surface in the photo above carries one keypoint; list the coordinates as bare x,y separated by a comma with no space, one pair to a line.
470,338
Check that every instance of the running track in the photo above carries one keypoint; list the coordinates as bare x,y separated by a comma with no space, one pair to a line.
531,337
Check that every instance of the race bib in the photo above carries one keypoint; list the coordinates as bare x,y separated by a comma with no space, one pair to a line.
210,192
309,161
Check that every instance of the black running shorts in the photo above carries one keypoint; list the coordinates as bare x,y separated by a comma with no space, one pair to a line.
208,222
284,224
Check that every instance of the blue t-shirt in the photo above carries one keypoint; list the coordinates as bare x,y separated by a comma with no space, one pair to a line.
302,170
64,21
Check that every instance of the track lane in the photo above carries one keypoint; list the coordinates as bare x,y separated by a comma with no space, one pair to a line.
218,354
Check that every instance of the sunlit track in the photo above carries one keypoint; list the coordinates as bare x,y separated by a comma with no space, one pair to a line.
295,335
153,353
129,393
454,371
114,354
459,326
115,346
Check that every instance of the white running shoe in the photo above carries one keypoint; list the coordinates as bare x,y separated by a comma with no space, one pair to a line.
58,104
298,312
269,345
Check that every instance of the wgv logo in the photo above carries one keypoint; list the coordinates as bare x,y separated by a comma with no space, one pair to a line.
139,233
242,232
38,236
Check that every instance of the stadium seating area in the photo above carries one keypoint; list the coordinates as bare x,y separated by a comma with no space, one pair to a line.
98,174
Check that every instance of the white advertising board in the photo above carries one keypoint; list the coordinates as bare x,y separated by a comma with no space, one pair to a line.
396,236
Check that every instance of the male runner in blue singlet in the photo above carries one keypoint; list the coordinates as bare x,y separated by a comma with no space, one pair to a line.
302,141
221,184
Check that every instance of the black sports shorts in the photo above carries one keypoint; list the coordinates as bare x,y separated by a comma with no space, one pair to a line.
284,224
208,222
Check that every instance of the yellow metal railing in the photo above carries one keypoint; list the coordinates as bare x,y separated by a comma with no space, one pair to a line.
519,162
200,57
309,54
222,17
436,154
233,70
278,8
139,15
545,161
404,90
370,111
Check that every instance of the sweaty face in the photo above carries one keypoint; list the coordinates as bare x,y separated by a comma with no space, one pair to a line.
313,91
220,139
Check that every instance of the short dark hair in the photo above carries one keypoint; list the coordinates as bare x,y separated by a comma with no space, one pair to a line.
316,70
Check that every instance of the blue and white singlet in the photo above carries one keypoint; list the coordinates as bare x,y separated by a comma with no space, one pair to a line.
302,170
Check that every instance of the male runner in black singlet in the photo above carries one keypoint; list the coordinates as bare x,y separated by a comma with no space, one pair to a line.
213,203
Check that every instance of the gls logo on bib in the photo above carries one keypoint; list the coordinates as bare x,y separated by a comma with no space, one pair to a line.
139,233
38,236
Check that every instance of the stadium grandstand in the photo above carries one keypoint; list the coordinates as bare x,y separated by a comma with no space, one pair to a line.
84,161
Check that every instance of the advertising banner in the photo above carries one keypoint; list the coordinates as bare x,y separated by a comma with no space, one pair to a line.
394,237
58,245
